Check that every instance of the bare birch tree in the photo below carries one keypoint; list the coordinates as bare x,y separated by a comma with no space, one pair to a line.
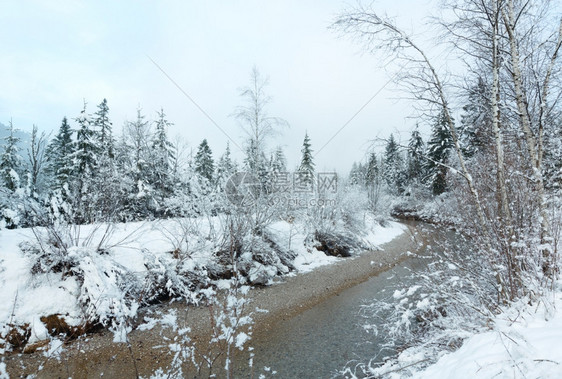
512,20
420,76
254,119
508,42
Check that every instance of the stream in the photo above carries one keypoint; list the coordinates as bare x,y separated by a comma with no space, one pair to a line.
313,342
324,339
320,341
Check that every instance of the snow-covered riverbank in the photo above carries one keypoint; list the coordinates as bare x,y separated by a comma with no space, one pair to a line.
105,263
298,291
523,343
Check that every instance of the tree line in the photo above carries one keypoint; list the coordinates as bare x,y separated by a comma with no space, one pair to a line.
86,173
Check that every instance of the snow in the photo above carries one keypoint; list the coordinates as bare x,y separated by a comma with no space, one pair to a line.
96,287
25,298
293,237
241,339
378,235
3,372
525,342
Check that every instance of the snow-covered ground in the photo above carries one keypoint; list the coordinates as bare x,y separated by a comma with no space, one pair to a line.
132,254
524,343
289,236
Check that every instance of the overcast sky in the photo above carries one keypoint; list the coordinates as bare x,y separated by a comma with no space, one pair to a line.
55,54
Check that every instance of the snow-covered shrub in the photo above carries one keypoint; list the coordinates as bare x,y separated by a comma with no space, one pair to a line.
108,291
172,277
54,247
262,259
252,255
231,329
433,313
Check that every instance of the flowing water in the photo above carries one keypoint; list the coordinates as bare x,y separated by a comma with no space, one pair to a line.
324,339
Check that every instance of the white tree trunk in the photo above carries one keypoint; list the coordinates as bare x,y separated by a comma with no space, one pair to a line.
531,142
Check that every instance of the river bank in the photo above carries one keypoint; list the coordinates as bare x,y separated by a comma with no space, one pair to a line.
96,355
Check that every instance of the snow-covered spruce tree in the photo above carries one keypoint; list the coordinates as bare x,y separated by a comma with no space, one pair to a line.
135,159
226,167
204,163
357,174
373,181
255,163
278,161
104,129
60,169
108,183
60,152
475,130
163,154
10,171
86,147
415,159
438,151
86,161
10,161
553,157
393,166
371,169
305,172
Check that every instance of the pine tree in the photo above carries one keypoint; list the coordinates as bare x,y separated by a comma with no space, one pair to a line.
393,171
138,140
278,162
60,152
10,162
226,167
86,148
356,174
109,182
372,170
476,120
163,152
306,168
438,150
553,156
416,148
134,159
204,164
85,170
104,130
255,163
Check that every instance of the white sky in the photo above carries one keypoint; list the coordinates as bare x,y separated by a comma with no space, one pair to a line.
57,53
